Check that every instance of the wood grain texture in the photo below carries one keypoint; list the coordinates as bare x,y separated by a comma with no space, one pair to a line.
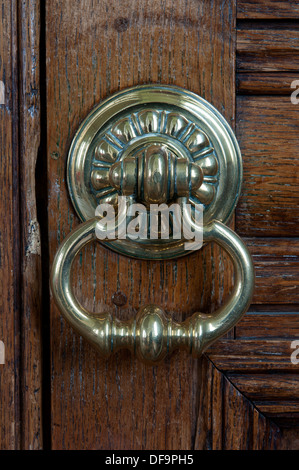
275,396
268,50
269,325
267,9
227,420
262,371
93,49
267,131
267,83
30,138
252,356
266,435
265,387
276,264
263,41
230,398
209,427
284,413
10,435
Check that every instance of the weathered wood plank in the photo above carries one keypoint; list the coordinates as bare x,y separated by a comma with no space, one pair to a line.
274,395
261,41
265,434
268,50
253,355
268,387
279,62
267,9
268,326
93,49
267,83
267,130
262,371
209,427
236,419
30,140
10,433
227,420
276,263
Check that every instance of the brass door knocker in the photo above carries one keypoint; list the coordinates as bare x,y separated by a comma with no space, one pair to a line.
153,146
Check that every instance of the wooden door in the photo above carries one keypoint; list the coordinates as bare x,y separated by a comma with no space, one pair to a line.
58,60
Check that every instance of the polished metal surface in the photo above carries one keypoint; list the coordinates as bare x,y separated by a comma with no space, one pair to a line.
152,334
154,176
155,145
120,131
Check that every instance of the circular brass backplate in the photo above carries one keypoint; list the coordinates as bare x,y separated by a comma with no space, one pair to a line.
125,124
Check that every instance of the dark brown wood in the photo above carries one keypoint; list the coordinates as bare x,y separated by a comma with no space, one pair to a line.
268,50
284,413
263,372
267,9
267,83
268,326
290,438
279,62
20,275
253,355
94,49
227,420
266,435
265,387
276,264
30,140
210,409
267,130
10,436
276,396
244,393
261,41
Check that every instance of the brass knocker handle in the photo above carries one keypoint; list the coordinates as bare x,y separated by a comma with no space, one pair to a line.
159,146
152,334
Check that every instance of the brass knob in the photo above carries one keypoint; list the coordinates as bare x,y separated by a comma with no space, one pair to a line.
154,176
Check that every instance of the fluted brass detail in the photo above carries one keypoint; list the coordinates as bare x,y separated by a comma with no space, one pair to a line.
155,176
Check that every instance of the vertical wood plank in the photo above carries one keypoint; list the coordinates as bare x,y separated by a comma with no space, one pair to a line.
227,420
95,48
237,419
209,418
10,438
29,138
266,435
244,427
